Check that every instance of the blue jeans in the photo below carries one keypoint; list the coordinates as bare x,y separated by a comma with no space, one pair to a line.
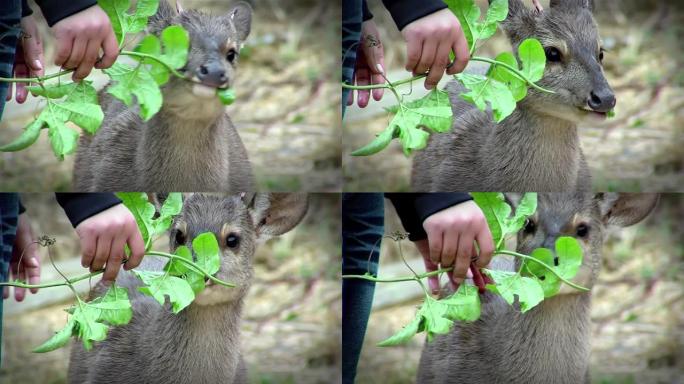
10,17
9,215
363,217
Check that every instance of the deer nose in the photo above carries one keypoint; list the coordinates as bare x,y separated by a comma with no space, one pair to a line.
212,74
601,101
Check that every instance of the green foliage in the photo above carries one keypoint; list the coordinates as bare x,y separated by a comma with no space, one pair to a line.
498,213
227,96
510,284
500,89
144,211
160,286
124,22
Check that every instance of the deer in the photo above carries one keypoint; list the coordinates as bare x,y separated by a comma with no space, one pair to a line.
549,343
191,144
537,147
200,344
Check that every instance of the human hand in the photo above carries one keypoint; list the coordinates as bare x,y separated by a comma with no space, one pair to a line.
103,237
28,59
429,40
25,263
452,234
370,64
79,39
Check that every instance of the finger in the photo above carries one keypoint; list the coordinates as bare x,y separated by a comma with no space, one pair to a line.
377,78
21,70
89,59
77,52
427,57
454,286
350,98
465,249
9,92
433,281
5,292
19,292
362,78
115,257
462,53
438,66
478,280
486,245
137,247
64,44
449,249
32,266
88,248
435,245
111,51
414,47
102,252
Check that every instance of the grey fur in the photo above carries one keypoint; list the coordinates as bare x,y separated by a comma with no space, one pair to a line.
537,147
201,344
191,143
549,343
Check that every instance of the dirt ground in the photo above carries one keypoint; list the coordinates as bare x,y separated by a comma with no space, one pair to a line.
642,149
637,306
286,108
291,325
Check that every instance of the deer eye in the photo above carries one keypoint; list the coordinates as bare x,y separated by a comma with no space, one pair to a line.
529,227
231,55
582,230
601,55
232,240
179,237
552,54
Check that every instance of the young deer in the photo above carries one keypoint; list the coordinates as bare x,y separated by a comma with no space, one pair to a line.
191,143
537,147
549,343
200,344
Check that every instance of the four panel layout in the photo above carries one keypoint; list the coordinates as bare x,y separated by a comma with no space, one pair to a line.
492,192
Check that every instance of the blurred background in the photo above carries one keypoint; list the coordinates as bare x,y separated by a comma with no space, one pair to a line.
291,320
286,111
637,315
641,149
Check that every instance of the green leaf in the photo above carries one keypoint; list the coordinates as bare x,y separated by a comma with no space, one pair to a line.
114,306
569,258
525,208
151,45
411,138
59,339
172,206
62,138
206,250
517,86
175,42
497,12
177,267
28,137
129,81
510,284
496,211
227,96
160,286
468,14
463,305
142,210
549,282
434,110
379,143
569,254
532,59
485,90
404,335
124,22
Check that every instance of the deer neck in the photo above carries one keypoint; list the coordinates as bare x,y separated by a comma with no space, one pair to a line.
538,151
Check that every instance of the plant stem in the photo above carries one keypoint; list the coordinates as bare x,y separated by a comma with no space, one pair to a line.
34,79
384,85
398,279
543,264
151,57
53,284
513,71
193,265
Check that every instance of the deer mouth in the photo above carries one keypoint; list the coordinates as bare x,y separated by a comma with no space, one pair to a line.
586,111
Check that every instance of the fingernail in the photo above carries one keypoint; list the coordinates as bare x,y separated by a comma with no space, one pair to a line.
37,64
379,67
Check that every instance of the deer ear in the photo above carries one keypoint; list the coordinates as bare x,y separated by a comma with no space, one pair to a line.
241,18
588,4
625,209
520,21
277,213
179,7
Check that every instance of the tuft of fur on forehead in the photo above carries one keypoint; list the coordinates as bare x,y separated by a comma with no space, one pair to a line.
210,213
234,24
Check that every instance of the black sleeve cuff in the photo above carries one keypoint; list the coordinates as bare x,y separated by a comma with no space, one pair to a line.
414,208
25,9
80,206
406,11
367,15
56,10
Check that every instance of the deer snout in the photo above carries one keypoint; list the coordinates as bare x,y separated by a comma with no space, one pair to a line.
212,74
601,100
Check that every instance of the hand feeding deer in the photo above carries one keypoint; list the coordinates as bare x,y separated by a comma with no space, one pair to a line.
200,344
191,143
537,147
551,342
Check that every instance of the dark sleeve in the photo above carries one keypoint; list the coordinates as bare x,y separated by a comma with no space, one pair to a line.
56,10
405,11
367,15
414,208
25,9
80,206
22,209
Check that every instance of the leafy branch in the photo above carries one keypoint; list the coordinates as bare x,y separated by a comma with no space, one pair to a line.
178,284
540,275
143,80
